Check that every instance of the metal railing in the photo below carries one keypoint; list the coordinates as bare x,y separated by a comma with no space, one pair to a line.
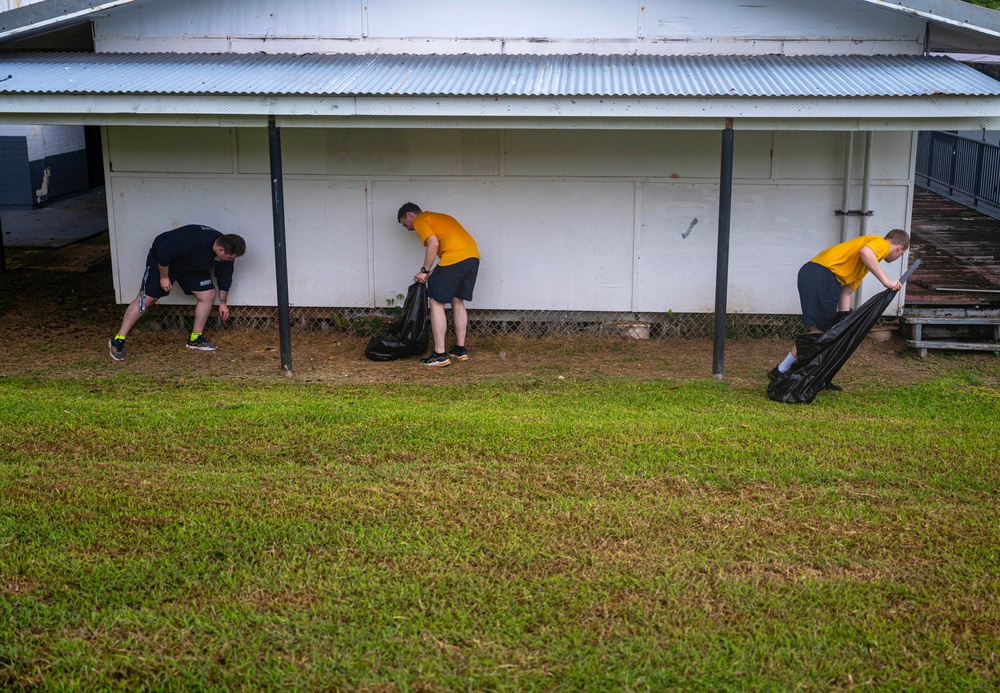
966,170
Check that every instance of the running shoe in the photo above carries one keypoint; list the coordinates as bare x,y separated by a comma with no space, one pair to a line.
116,348
436,360
459,353
201,344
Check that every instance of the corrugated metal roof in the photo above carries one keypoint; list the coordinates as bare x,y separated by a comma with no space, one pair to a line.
490,75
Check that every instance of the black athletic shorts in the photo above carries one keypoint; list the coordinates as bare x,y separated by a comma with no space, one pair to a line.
453,281
819,294
194,281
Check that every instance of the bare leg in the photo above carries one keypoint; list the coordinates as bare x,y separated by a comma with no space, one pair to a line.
439,325
132,314
461,320
206,299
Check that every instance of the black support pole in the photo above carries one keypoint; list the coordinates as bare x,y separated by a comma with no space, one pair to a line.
722,258
3,252
280,256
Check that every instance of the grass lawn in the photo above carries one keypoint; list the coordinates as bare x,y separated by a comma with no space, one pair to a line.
514,534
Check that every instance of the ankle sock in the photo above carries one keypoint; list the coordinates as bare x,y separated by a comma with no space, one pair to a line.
195,335
786,364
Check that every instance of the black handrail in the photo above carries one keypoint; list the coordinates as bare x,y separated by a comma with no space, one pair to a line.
964,169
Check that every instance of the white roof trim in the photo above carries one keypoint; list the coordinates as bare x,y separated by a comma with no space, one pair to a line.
953,13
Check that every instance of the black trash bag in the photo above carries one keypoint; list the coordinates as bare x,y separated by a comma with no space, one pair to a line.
408,334
821,356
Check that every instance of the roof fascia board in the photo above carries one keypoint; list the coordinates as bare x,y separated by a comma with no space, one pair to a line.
666,113
953,13
403,122
47,15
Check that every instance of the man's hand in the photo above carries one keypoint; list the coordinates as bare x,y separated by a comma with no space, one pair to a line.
422,277
223,312
166,284
894,284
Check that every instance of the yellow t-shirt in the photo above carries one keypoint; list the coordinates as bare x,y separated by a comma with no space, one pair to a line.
455,243
844,259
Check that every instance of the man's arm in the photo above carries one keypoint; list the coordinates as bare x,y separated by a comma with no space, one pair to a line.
223,308
431,245
844,304
870,260
165,282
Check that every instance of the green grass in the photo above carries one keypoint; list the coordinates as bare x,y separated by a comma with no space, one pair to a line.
513,535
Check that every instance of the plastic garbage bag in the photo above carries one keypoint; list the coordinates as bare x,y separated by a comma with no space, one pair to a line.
821,356
408,334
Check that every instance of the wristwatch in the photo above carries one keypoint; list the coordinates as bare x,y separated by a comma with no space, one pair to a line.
424,270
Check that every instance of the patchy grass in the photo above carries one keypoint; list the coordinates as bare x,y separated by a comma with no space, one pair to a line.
508,535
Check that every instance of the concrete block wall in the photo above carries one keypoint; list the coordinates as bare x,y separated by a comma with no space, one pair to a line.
41,162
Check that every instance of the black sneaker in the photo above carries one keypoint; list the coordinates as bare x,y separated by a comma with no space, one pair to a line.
774,374
116,347
459,353
436,360
201,344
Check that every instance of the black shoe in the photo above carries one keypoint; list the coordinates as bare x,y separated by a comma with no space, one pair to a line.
436,360
116,348
459,353
774,374
833,388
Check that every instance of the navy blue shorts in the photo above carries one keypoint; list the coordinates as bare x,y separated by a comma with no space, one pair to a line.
194,281
453,281
819,294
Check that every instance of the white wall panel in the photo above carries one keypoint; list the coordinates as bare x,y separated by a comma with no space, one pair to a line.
592,19
326,234
792,19
555,221
515,26
544,245
374,152
262,19
171,150
774,229
142,207
663,154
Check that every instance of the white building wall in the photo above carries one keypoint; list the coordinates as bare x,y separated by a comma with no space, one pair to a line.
513,26
594,221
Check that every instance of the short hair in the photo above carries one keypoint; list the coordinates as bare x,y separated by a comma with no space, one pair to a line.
232,244
898,237
406,209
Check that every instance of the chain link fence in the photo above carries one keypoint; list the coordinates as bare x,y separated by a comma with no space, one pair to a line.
365,322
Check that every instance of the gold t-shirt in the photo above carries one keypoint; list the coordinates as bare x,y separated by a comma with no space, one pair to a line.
844,259
455,242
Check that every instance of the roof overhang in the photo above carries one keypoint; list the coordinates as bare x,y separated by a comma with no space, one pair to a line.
499,91
953,26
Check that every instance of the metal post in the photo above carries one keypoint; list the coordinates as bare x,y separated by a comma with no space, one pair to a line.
722,257
280,256
3,254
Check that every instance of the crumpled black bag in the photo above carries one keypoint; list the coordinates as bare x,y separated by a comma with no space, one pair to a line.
408,334
821,356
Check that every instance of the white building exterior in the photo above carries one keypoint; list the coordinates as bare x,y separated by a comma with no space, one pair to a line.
594,202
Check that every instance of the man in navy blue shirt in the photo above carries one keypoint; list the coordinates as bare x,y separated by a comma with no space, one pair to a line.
186,255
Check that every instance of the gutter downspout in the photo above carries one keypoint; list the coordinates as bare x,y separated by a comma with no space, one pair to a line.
865,190
845,196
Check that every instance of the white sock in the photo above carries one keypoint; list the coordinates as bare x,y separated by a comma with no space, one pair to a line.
786,364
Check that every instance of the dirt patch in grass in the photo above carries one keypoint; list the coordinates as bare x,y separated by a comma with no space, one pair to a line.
57,324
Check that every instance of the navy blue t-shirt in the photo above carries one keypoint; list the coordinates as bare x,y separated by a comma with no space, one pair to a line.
188,249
